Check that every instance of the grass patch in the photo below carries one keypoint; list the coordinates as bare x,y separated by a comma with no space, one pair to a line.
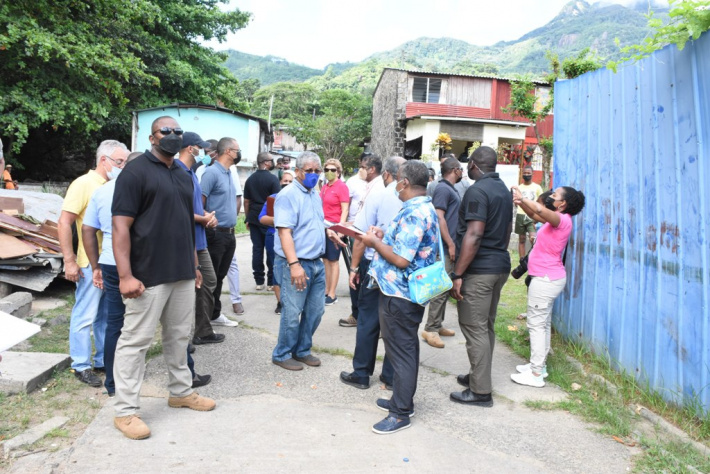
441,372
241,227
594,401
333,351
53,338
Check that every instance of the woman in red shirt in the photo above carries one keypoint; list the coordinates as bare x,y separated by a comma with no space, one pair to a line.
336,201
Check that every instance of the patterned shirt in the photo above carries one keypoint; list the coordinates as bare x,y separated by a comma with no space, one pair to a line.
413,235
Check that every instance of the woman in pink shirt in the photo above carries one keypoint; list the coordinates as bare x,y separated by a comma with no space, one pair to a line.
336,202
547,271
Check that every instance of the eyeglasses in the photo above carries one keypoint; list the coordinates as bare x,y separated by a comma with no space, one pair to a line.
312,170
168,131
334,170
118,163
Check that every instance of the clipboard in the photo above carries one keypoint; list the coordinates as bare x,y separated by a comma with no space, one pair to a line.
270,206
350,231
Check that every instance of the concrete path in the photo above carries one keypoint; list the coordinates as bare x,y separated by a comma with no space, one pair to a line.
271,420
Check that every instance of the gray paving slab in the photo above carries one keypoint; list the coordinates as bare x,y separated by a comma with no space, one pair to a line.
270,419
25,371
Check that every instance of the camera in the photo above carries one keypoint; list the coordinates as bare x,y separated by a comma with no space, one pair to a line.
521,269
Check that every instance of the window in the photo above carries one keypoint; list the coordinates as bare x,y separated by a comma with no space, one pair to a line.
426,90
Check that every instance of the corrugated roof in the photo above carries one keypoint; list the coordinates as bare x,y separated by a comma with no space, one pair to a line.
179,105
431,73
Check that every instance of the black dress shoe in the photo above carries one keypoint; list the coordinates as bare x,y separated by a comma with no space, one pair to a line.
463,380
211,339
357,382
201,380
467,397
388,385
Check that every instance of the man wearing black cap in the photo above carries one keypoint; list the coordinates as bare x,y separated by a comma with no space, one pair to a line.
193,149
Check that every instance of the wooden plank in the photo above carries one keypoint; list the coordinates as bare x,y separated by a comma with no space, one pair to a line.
11,247
50,229
14,221
12,203
42,243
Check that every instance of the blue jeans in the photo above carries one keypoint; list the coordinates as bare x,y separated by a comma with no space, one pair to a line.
114,309
269,247
301,311
88,310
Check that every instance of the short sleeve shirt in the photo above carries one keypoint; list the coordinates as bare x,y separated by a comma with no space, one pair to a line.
380,209
200,234
488,200
76,200
300,210
218,187
530,191
333,195
159,199
447,199
260,185
546,256
98,216
235,178
356,189
414,236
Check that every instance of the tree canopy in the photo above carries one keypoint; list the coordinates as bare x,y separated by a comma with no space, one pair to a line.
81,65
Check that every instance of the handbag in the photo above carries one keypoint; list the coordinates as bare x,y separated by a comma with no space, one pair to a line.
430,282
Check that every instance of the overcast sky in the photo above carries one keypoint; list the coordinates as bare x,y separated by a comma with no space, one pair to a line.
315,33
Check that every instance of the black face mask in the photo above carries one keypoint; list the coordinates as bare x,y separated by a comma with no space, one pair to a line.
550,203
527,177
170,144
283,186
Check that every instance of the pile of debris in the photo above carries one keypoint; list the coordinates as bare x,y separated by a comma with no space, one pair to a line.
30,256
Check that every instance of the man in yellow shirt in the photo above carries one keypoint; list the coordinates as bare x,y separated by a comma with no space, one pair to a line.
523,224
110,159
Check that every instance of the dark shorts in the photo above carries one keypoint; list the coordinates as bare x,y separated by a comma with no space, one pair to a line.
332,251
524,224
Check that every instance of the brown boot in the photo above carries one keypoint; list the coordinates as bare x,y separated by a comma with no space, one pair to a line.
193,402
433,339
132,426
446,332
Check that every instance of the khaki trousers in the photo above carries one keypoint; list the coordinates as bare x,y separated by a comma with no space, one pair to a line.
173,304
477,317
437,306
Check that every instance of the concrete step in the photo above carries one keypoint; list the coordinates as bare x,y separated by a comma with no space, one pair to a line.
26,371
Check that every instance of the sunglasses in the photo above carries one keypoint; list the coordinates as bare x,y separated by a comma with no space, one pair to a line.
312,170
334,170
168,131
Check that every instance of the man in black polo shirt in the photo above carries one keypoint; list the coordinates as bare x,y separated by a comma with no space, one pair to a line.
260,185
482,268
154,247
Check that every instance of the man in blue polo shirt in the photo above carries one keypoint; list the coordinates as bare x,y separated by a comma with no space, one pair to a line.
192,149
298,245
219,196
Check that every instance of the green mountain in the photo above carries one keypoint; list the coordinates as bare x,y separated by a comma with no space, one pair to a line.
267,69
578,26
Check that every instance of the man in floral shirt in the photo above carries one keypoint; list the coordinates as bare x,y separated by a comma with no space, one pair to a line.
409,244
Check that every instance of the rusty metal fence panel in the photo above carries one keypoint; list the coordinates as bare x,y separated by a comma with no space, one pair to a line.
638,144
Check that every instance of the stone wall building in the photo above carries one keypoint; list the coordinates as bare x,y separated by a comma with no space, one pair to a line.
411,108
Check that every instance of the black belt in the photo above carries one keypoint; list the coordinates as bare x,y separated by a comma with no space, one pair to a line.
226,230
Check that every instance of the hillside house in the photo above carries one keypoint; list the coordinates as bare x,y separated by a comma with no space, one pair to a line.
411,108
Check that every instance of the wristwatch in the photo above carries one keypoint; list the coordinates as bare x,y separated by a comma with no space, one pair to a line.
454,276
198,267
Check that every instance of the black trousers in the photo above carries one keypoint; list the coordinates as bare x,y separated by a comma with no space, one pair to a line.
258,244
368,330
221,246
400,320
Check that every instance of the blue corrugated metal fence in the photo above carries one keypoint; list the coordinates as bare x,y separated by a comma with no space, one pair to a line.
638,143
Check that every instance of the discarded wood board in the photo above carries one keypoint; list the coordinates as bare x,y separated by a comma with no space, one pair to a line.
14,204
12,247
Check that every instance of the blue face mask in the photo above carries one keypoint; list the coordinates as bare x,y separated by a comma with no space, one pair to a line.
310,180
113,174
206,159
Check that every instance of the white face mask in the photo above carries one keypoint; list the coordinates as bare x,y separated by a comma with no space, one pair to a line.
112,172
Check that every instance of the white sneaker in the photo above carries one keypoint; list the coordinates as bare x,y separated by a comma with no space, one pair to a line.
526,368
529,379
260,287
224,321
